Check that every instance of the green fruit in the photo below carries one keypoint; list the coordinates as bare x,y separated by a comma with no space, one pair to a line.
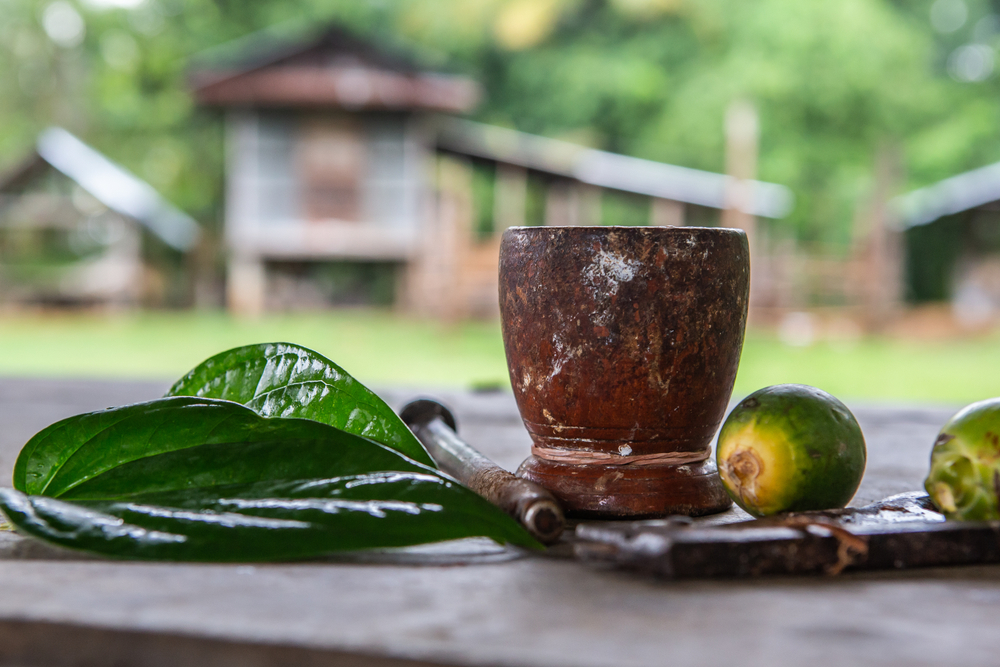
964,479
790,448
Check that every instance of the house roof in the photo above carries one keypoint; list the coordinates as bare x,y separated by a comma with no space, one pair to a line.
607,170
952,195
109,183
329,69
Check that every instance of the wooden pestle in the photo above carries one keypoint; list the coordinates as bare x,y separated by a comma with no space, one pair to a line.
534,507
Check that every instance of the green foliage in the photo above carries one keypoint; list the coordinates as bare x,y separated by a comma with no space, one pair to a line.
268,520
651,78
264,452
286,380
180,442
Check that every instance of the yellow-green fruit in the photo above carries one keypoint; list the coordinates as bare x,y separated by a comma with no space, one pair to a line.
790,448
965,464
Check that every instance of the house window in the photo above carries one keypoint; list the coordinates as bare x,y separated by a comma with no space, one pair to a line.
275,184
331,161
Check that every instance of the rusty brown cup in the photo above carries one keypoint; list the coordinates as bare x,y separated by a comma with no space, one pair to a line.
622,345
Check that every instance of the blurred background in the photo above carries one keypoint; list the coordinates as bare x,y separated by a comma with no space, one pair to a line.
182,176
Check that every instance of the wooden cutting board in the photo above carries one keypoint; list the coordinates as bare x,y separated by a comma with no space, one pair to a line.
900,532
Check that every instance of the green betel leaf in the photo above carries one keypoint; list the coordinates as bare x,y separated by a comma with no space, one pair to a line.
188,443
188,478
286,380
268,521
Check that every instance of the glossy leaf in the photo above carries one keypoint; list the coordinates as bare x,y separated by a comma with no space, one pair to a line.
188,443
268,521
190,478
286,380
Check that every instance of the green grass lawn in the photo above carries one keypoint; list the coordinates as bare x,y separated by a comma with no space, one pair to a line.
383,349
376,347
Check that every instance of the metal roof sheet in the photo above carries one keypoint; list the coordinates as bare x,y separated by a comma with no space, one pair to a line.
116,188
952,195
309,67
608,170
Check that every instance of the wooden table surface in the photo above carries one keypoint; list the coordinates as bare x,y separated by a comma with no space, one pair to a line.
472,604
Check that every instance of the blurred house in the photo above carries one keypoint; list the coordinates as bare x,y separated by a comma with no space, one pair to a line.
72,227
341,151
952,231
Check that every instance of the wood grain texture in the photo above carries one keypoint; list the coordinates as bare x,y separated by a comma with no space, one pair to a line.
480,611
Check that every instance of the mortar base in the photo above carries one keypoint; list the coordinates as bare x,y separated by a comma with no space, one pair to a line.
630,492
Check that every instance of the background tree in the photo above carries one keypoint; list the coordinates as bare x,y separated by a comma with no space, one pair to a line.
652,78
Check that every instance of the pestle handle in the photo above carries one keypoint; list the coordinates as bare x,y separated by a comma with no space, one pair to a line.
531,504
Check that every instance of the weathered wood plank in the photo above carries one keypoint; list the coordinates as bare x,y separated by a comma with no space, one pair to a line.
480,608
